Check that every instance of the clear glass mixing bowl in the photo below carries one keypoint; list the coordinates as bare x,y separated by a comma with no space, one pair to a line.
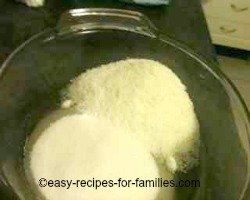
33,75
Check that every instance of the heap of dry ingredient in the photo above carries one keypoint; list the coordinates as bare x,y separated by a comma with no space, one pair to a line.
128,119
146,98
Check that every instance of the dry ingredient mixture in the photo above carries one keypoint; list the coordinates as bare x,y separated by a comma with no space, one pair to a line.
127,115
81,146
147,99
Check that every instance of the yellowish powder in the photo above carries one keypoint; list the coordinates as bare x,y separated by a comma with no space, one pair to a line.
147,99
123,113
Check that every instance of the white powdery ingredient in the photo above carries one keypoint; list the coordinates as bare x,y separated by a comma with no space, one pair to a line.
146,98
79,146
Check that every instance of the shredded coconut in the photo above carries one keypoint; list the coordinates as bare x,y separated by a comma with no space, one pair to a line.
146,98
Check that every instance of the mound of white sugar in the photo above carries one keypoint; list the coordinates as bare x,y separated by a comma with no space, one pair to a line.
148,100
77,147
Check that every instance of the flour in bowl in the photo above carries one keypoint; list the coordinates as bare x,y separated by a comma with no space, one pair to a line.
128,119
83,147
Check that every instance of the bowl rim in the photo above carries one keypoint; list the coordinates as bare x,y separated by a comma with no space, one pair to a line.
214,70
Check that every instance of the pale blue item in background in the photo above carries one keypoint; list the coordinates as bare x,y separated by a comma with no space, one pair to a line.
38,3
148,2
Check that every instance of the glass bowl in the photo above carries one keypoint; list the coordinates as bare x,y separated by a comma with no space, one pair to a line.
34,74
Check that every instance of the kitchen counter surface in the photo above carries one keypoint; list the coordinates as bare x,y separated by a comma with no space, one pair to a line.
182,20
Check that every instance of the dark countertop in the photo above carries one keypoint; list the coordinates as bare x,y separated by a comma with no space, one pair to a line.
182,20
